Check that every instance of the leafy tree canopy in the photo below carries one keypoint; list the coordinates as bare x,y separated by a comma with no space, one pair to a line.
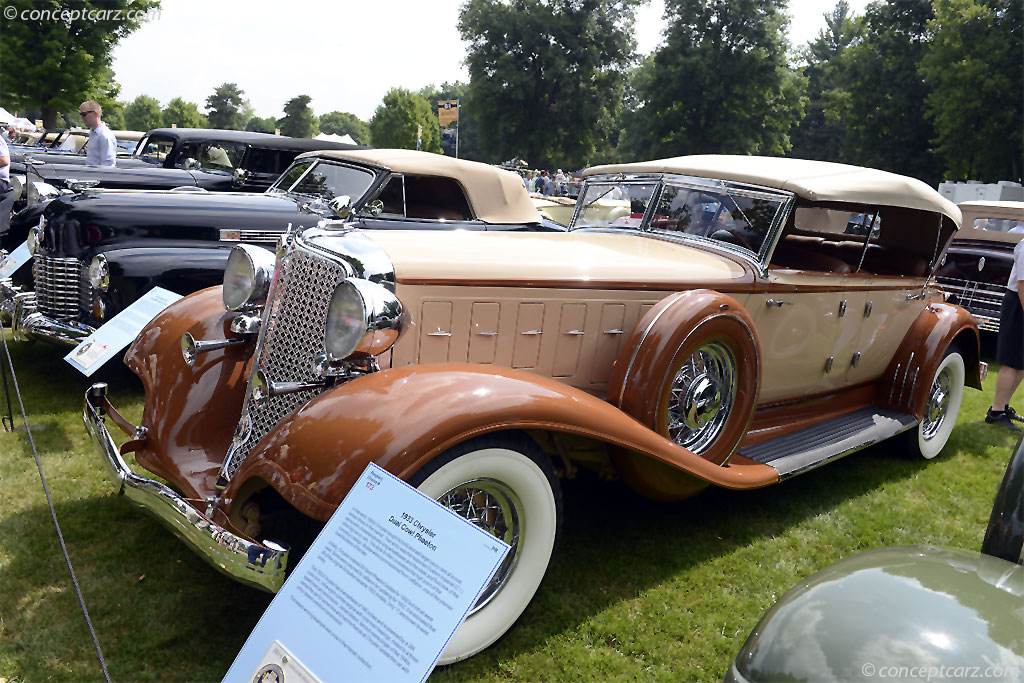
53,64
143,114
344,123
397,119
258,125
546,75
880,93
818,136
183,114
225,107
719,84
299,120
973,65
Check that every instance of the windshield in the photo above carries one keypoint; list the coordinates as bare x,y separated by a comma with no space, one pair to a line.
324,180
614,204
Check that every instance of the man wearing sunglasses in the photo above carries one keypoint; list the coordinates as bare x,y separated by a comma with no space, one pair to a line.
102,147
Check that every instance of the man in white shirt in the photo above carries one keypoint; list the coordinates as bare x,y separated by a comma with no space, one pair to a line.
1010,346
6,191
102,148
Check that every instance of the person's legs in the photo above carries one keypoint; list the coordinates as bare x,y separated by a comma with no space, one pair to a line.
1007,382
1010,354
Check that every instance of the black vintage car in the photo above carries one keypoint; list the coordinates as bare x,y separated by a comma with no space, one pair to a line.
98,251
166,158
978,262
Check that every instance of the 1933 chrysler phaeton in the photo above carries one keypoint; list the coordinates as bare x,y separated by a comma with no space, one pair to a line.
707,320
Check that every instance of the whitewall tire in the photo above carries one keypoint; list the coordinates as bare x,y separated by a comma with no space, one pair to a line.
505,484
941,409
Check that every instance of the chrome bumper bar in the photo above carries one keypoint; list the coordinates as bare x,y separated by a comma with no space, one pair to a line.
255,564
19,308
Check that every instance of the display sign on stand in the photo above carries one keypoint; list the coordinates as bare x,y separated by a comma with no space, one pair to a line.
16,259
378,594
103,344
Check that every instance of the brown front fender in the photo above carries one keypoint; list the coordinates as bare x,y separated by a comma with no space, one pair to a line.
401,418
907,380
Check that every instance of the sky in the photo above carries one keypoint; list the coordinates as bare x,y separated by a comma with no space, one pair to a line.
345,55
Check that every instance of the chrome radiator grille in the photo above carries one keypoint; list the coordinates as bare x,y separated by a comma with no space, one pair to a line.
982,299
61,285
292,336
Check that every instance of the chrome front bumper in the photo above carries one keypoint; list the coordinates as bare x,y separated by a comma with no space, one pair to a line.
255,564
19,308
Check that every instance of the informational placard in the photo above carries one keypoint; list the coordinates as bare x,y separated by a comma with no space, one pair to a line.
378,594
119,331
16,259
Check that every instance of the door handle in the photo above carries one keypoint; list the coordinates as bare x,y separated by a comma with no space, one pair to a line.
778,303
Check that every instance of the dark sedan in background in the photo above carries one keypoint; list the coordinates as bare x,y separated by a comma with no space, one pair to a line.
96,252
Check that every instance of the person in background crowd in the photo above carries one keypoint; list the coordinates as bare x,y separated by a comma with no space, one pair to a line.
1010,346
6,191
547,187
102,149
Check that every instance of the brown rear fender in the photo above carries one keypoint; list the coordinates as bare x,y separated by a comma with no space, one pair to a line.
402,418
907,380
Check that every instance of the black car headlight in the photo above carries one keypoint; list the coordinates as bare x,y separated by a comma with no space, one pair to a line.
17,186
363,319
99,273
247,277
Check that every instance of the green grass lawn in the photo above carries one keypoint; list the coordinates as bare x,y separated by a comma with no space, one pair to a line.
637,590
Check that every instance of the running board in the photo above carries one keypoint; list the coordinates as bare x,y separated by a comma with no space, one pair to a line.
803,450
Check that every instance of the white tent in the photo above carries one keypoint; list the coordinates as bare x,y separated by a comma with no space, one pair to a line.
22,124
5,116
329,137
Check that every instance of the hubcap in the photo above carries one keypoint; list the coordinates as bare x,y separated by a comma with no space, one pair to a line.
494,507
938,402
701,397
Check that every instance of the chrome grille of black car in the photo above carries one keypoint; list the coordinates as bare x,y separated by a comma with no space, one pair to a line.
61,285
982,299
293,335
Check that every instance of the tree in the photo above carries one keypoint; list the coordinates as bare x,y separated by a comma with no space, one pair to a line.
882,95
972,64
397,119
720,83
299,120
546,75
344,123
225,107
258,125
818,136
143,114
183,114
52,62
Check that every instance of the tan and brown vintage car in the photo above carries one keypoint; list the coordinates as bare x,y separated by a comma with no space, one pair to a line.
978,262
707,321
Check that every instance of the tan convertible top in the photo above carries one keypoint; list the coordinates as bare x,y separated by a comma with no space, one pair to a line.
494,195
820,181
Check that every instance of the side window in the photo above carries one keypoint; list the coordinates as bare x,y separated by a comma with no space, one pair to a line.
393,197
156,149
434,197
221,156
731,216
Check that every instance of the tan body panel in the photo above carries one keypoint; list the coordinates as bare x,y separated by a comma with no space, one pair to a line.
314,456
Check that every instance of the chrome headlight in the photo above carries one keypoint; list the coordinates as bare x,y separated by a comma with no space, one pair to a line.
39,191
99,273
34,236
363,318
17,185
247,277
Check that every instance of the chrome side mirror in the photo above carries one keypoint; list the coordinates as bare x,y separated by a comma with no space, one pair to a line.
341,206
374,208
240,176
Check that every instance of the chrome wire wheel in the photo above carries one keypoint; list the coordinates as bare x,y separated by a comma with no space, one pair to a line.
938,403
494,507
701,397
